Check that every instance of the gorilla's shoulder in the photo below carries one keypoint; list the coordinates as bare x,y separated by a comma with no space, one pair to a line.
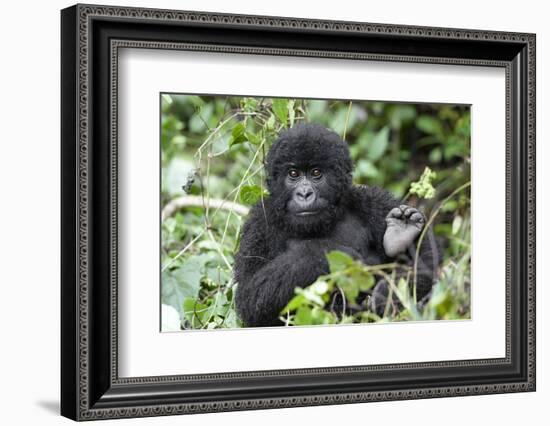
371,197
259,217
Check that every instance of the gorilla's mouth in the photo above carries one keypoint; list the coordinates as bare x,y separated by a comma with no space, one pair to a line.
307,213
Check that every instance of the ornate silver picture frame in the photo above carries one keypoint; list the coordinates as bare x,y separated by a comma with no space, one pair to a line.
91,38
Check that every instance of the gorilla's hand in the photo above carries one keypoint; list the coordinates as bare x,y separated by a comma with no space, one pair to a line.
404,224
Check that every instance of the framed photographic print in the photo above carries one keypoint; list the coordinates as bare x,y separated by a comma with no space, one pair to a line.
263,212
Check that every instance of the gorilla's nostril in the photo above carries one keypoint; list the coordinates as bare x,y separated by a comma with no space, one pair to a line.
305,194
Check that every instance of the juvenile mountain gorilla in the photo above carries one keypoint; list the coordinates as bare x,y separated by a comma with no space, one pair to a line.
313,208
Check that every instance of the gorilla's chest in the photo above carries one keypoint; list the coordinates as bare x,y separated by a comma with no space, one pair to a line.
349,231
353,233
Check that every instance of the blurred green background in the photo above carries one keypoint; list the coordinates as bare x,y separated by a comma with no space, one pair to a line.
213,151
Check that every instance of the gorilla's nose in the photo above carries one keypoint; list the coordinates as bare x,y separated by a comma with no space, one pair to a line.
305,194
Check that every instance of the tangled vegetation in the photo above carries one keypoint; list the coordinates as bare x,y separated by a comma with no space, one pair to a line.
213,151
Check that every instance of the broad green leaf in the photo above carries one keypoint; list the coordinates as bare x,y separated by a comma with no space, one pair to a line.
195,312
280,109
313,316
457,223
238,134
401,114
402,293
435,155
303,316
294,303
430,125
462,126
319,316
270,123
378,144
166,98
366,168
231,320
349,287
250,104
184,281
364,279
338,260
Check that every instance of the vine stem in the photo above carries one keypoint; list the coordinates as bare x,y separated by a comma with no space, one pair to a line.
182,251
428,224
238,189
214,132
347,121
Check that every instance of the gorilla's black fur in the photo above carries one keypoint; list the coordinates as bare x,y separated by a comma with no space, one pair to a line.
281,250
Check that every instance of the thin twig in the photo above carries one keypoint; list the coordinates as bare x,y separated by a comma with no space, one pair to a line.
182,251
196,201
347,121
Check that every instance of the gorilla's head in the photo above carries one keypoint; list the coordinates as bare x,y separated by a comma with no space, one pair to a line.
309,172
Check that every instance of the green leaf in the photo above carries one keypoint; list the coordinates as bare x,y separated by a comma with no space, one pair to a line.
430,125
313,316
167,98
295,303
366,168
238,134
253,138
319,316
378,144
401,114
457,223
184,281
303,316
402,293
364,279
270,123
349,287
250,104
338,260
251,194
280,109
435,155
195,312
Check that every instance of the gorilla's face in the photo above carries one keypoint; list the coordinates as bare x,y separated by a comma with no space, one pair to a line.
309,172
307,189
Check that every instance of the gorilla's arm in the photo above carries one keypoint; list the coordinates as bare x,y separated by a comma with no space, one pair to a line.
262,296
268,269
269,266
397,229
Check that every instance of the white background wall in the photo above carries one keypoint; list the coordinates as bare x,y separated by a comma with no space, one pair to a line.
29,211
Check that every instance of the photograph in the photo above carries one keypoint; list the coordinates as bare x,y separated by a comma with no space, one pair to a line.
278,212
265,210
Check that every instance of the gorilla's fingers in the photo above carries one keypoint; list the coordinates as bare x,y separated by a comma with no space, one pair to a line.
410,211
395,213
417,217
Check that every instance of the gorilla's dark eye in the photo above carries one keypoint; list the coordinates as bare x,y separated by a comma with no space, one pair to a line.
293,173
316,173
